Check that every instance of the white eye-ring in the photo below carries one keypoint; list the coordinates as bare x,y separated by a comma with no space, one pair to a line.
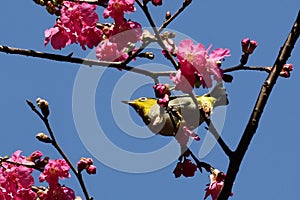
143,99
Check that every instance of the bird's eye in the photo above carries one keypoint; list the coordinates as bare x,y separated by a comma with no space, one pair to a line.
143,99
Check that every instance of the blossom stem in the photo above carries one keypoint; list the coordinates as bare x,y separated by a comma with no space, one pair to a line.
185,4
95,2
238,155
199,164
33,166
159,40
212,129
248,68
59,149
162,27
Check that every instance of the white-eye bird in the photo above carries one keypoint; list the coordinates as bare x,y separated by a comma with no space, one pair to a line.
181,111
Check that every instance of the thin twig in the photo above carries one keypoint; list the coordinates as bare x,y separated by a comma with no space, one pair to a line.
162,27
199,164
59,149
95,2
159,40
248,68
212,128
217,136
239,153
185,4
33,166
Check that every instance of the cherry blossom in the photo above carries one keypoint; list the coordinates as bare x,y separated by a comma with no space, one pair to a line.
54,170
216,184
77,23
117,8
196,63
185,168
109,51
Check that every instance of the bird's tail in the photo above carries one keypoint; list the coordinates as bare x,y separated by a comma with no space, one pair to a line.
219,93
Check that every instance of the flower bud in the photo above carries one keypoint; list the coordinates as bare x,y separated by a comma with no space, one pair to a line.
44,106
43,138
286,71
35,156
91,169
81,165
168,15
245,44
252,46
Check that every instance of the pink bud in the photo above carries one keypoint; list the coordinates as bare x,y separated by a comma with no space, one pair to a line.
252,46
245,44
81,164
35,156
288,67
91,169
285,74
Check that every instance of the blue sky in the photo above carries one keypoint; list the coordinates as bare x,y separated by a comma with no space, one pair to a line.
270,169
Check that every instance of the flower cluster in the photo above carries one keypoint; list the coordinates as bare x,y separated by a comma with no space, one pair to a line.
120,36
16,180
196,64
185,168
77,23
216,184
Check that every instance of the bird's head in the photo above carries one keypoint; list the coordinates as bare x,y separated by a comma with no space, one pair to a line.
142,106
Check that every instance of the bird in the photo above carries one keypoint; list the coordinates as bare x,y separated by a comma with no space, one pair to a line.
181,110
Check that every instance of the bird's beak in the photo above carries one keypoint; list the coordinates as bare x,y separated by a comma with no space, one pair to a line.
126,102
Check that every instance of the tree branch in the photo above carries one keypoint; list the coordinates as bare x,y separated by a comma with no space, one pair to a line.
239,153
70,59
59,149
248,68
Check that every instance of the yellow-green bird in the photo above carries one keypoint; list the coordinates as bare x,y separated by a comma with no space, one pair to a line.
181,111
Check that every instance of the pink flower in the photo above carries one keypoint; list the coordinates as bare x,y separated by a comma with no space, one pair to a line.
194,60
116,9
53,170
108,51
77,23
186,168
75,16
90,36
125,32
25,193
216,184
57,192
14,177
184,82
59,36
